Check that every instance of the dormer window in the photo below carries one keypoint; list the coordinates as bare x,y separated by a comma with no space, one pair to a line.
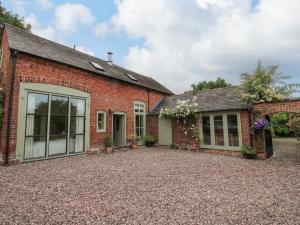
97,66
131,77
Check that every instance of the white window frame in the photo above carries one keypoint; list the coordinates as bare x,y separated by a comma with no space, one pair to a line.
144,114
225,130
104,120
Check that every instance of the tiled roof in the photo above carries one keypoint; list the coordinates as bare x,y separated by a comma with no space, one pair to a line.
31,44
213,100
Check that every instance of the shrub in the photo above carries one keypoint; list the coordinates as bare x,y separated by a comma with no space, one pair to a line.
173,146
108,142
248,152
149,140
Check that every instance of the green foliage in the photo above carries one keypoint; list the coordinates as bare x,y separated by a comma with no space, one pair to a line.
108,142
13,19
149,140
173,146
264,85
248,152
294,124
208,85
279,124
186,114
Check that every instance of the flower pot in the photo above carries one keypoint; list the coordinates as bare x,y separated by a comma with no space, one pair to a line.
108,150
133,146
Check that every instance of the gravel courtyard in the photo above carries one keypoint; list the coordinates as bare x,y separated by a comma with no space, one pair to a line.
151,187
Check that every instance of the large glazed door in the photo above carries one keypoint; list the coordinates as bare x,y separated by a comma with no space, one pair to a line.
164,131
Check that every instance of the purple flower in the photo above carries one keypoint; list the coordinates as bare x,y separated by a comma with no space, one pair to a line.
261,124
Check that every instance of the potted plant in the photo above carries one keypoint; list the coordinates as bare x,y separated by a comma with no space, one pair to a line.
248,152
149,140
108,142
132,141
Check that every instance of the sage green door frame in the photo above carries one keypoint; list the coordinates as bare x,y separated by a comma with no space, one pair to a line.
47,89
123,126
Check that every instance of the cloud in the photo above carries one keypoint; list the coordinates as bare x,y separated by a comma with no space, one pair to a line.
101,29
68,16
45,4
190,41
20,6
48,32
85,50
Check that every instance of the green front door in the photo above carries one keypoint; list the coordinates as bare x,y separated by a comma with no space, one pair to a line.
165,131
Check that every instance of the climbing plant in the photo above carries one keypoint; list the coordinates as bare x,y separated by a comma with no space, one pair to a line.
186,114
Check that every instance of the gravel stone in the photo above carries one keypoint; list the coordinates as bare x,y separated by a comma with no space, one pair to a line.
153,186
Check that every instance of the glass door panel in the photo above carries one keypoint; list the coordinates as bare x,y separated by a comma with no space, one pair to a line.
77,125
233,131
219,130
36,125
206,130
58,125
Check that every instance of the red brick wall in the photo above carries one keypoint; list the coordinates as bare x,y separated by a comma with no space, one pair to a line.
5,85
152,125
105,93
178,135
284,106
245,125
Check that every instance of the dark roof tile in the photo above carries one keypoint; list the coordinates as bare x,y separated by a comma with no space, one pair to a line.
213,100
31,44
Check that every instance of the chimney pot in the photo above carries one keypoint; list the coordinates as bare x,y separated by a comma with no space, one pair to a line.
109,57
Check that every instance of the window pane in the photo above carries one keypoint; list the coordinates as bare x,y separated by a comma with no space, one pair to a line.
77,125
57,144
58,125
59,105
206,130
77,107
76,143
219,131
36,125
233,131
35,147
100,121
141,121
37,103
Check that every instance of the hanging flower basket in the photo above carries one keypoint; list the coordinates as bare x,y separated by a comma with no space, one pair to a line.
259,126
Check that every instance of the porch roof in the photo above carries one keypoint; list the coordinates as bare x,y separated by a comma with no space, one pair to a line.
212,100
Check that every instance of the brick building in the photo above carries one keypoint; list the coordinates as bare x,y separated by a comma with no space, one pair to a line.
60,102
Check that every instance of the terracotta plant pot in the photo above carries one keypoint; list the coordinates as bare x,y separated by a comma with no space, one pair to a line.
133,146
108,150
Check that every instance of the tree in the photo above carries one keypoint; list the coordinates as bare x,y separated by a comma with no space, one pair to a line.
264,85
13,19
208,85
279,123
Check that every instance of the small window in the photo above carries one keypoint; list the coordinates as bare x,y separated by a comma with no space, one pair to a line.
101,121
97,66
131,77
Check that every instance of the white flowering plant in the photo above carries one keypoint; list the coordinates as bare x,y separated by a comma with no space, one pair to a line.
186,114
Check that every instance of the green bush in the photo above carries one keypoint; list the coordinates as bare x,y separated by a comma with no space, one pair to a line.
149,140
108,142
248,152
279,123
173,146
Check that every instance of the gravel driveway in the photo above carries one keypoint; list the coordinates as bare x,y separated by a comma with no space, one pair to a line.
151,187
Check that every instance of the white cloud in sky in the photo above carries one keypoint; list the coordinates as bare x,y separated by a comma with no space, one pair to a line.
45,4
20,6
101,29
190,41
85,50
48,32
68,16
